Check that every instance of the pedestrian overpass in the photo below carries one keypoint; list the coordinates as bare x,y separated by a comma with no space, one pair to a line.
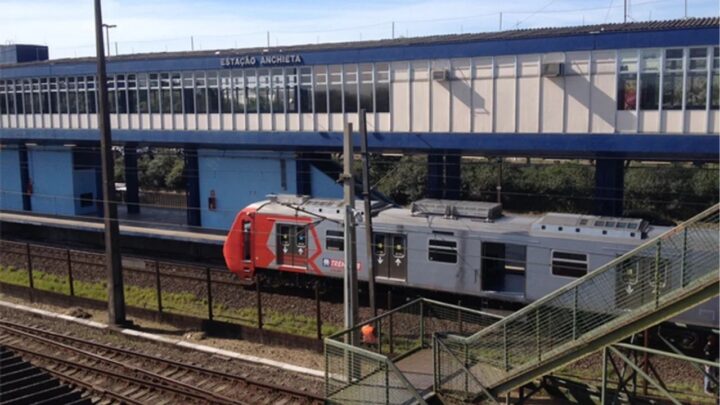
427,348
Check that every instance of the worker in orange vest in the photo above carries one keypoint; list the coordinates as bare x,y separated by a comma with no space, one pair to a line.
368,334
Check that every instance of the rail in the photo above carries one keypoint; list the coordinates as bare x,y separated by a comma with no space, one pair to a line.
651,283
362,369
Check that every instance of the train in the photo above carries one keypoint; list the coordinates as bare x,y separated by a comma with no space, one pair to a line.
458,247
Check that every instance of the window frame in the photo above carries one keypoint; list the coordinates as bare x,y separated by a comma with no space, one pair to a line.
443,250
553,259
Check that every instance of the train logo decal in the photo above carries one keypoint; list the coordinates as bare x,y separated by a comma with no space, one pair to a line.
337,263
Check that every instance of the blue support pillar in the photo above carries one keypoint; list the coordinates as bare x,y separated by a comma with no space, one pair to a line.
192,186
435,174
132,184
444,176
25,178
609,187
453,179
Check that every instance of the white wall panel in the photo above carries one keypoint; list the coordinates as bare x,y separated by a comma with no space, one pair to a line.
483,95
399,93
649,121
420,103
505,93
440,96
461,89
696,121
673,121
603,96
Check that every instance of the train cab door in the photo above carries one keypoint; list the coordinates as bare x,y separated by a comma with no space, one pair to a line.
291,245
390,256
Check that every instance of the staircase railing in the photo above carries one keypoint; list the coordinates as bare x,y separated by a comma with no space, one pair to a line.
361,370
608,303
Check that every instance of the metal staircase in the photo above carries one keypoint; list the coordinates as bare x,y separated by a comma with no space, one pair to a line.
650,284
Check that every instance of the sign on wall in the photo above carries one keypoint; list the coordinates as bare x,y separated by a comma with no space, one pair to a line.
261,60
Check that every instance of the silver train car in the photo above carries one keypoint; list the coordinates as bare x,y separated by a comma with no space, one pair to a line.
457,247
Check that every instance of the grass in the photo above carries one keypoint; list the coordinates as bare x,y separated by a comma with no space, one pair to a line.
174,302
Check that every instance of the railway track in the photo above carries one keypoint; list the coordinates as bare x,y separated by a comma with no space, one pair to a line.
118,375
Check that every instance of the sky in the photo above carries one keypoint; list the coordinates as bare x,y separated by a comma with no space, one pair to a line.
66,26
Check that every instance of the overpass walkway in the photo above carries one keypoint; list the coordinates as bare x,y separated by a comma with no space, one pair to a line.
473,355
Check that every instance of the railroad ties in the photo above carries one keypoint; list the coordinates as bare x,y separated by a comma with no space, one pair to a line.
119,375
23,383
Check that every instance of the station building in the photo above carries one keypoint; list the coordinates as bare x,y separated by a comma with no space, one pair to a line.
262,120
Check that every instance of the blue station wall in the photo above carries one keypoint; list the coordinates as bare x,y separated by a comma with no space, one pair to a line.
51,174
323,186
239,179
10,183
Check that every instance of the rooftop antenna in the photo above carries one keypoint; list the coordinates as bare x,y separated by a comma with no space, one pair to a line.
268,39
501,21
393,30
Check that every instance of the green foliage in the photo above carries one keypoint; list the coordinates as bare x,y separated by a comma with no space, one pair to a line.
161,169
400,178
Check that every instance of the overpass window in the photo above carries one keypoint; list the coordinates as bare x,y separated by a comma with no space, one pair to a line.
121,90
143,93
82,95
238,92
291,90
154,93
37,100
26,96
278,91
72,96
188,94
213,93
225,92
715,89
443,251
263,90
132,94
696,97
334,240
350,82
673,79
251,91
166,97
10,86
44,95
176,93
569,264
200,93
650,80
306,96
63,96
91,99
627,81
366,87
335,93
382,87
320,97
3,101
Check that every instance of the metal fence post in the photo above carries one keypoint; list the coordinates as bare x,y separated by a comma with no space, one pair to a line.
460,317
506,357
422,325
574,315
158,289
29,266
258,280
682,258
657,273
390,321
209,293
71,283
537,333
466,364
387,381
318,318
603,393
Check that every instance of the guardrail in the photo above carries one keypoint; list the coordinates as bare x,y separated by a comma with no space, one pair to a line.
665,270
361,369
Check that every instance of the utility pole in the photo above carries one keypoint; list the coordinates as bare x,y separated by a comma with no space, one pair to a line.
113,263
350,279
192,43
501,21
686,10
625,11
368,213
393,30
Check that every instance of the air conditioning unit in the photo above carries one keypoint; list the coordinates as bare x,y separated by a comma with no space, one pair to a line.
440,75
554,69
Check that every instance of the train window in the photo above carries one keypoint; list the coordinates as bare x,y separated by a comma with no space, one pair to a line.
569,264
334,240
444,251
